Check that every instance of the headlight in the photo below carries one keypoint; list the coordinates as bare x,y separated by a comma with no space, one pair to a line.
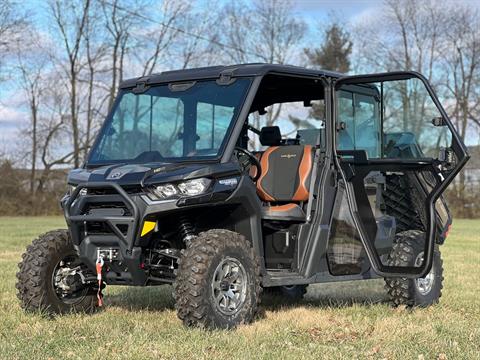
185,188
165,190
72,188
194,187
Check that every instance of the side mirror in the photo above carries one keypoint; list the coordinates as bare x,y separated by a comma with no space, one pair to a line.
447,158
438,121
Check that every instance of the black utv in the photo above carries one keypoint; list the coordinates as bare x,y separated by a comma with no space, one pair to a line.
226,181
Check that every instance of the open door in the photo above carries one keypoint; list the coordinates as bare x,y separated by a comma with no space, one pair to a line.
396,152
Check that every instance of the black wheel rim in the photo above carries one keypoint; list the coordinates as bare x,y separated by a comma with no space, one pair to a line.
67,282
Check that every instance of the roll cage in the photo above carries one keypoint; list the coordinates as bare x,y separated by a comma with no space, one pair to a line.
333,166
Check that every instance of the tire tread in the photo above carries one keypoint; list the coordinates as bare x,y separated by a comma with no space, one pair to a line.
31,278
190,285
400,290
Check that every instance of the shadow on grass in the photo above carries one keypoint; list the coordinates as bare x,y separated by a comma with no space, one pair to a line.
333,295
155,298
321,296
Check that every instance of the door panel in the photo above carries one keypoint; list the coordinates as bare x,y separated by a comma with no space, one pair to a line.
345,253
396,153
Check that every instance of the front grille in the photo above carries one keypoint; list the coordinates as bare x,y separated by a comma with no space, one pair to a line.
97,228
111,208
130,189
108,209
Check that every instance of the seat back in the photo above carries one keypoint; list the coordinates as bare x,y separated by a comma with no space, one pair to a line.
285,173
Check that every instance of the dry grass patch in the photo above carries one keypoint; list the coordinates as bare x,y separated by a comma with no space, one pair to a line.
336,321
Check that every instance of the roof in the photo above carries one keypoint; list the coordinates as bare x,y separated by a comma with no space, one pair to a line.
212,72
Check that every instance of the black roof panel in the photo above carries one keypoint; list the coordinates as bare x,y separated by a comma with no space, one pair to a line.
254,69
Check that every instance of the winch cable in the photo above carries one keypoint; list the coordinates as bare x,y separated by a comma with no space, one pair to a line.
99,266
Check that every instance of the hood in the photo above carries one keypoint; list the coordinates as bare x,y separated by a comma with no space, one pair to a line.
136,174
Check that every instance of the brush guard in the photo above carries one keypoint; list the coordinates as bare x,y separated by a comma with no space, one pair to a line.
124,229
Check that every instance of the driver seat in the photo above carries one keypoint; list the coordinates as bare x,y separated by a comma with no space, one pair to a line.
284,182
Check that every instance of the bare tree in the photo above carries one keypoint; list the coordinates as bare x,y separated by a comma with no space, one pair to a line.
462,66
12,24
120,23
198,43
162,34
237,19
461,60
70,19
96,50
413,41
266,31
441,42
31,69
54,146
278,31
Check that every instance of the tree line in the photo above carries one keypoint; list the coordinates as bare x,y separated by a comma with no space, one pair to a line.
64,67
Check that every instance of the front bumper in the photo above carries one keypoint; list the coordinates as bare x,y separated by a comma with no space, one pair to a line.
121,213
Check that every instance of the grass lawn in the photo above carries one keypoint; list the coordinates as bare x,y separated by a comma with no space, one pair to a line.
339,321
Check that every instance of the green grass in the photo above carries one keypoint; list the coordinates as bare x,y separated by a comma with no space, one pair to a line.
344,321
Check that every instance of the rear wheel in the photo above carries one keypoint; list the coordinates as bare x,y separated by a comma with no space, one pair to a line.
52,279
421,292
218,281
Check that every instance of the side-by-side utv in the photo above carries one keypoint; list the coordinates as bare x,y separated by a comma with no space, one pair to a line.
226,181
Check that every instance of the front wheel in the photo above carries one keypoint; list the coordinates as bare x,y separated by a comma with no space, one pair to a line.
218,281
420,292
51,278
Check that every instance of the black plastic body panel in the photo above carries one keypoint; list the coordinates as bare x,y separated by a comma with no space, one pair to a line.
242,200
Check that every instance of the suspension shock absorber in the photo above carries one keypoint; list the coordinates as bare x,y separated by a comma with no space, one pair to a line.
186,229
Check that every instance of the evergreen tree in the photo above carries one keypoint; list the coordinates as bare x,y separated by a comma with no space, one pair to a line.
335,53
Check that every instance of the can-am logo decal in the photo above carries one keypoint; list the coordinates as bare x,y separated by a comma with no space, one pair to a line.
116,175
157,170
288,156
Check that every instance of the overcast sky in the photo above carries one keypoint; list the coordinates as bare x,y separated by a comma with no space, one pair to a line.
314,12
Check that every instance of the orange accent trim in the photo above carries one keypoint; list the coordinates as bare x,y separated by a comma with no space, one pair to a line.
285,207
303,171
264,163
253,169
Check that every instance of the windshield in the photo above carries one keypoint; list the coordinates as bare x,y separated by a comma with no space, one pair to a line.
170,123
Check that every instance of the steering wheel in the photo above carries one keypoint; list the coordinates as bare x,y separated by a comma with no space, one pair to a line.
250,160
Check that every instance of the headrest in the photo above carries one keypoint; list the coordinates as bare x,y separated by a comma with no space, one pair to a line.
270,136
